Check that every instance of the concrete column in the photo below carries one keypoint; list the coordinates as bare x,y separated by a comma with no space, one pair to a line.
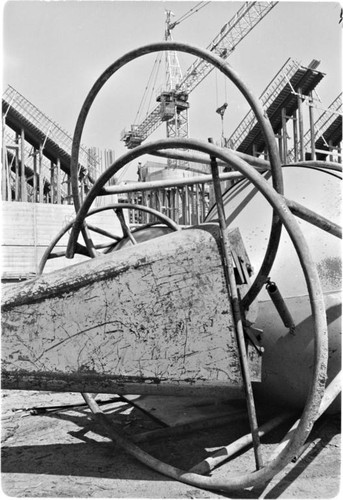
284,135
312,131
23,190
58,181
198,219
35,194
52,182
295,136
301,127
5,187
40,174
17,172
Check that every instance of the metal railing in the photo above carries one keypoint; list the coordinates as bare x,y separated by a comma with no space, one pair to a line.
46,187
267,97
322,124
46,126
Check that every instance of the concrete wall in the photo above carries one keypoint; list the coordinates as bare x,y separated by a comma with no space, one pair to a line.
28,228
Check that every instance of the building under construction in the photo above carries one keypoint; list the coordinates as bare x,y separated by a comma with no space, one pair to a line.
204,298
37,152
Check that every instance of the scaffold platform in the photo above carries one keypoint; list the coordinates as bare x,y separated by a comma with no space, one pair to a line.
282,93
21,115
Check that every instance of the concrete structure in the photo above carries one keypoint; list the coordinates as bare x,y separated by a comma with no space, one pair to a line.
148,318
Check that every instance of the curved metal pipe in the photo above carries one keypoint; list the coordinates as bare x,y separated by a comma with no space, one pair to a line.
168,183
317,387
326,165
257,108
314,218
259,163
169,222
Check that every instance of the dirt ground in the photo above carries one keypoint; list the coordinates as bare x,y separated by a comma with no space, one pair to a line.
67,453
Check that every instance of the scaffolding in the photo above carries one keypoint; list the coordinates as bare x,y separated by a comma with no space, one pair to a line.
325,135
19,109
54,190
267,97
327,132
36,155
281,99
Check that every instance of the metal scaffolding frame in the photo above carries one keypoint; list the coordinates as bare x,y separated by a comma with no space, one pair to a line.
325,134
267,98
20,111
36,154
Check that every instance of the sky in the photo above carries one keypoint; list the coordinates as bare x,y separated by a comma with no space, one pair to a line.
53,52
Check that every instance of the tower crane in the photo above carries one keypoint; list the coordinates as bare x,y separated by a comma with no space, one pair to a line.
173,103
173,108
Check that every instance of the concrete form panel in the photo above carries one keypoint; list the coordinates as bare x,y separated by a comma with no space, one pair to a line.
154,313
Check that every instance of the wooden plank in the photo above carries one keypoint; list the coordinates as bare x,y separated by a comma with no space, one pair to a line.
153,314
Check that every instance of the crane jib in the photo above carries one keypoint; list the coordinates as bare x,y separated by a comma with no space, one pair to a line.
231,34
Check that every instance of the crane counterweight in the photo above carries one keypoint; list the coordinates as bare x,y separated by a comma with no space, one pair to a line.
171,103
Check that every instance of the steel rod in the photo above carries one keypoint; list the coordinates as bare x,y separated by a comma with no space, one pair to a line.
170,223
281,212
103,232
224,453
40,410
314,218
147,186
185,155
255,104
319,365
234,299
326,165
125,228
280,306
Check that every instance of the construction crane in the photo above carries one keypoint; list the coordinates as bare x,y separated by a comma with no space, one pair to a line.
173,102
173,108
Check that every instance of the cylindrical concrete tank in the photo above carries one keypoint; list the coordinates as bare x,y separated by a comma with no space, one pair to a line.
288,358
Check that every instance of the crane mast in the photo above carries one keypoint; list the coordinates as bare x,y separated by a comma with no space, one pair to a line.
173,108
173,102
173,69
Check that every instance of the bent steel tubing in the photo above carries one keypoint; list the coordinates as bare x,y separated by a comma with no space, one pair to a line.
314,218
317,386
168,222
261,116
326,165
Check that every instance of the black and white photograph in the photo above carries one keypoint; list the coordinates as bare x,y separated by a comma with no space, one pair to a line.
171,257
